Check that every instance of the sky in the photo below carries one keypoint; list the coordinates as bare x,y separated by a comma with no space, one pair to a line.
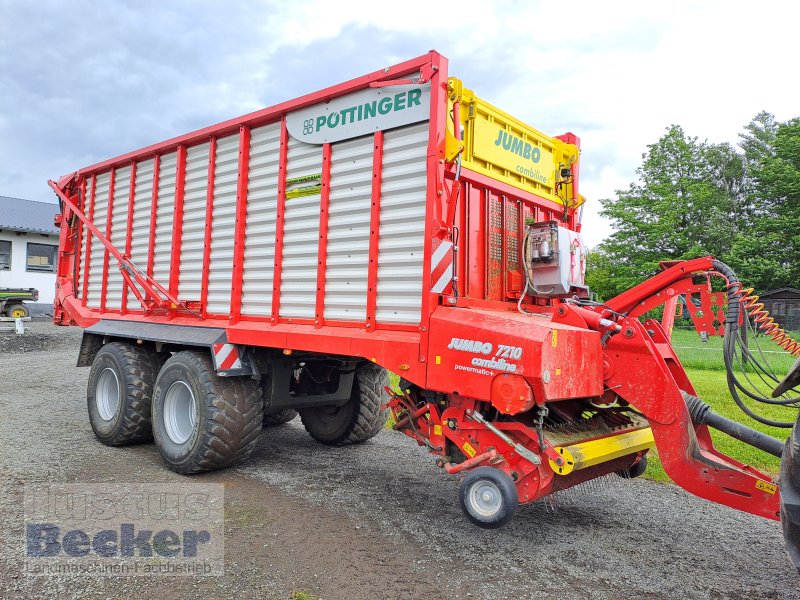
83,81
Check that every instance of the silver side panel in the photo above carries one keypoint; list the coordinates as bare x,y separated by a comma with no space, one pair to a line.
97,251
301,236
84,233
140,233
165,210
119,235
222,225
194,219
402,232
262,201
347,264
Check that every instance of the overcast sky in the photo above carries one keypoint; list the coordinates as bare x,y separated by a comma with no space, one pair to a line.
82,81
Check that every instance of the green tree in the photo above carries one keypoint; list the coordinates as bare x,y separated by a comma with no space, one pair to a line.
766,253
683,205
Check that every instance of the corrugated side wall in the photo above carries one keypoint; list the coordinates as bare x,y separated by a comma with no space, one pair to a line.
223,221
300,236
193,225
165,210
347,264
97,251
262,203
140,233
402,230
400,237
119,234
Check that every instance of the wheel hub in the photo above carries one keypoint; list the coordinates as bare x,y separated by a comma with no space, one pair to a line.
485,498
107,397
180,412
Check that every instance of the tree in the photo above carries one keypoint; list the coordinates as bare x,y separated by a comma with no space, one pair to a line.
682,206
767,253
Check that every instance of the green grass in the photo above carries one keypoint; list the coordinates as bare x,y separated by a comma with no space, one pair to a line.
302,596
695,354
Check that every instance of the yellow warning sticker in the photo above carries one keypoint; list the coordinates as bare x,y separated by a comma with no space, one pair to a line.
555,338
437,430
438,360
469,450
766,487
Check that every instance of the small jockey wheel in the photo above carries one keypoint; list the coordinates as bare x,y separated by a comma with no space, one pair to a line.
488,497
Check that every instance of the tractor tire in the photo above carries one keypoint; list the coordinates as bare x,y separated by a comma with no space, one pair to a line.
119,393
358,420
790,495
18,311
279,418
203,422
488,497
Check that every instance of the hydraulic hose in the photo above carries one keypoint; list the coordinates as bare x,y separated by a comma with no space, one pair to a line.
729,348
701,413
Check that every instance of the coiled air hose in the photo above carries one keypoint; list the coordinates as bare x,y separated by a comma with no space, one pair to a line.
730,340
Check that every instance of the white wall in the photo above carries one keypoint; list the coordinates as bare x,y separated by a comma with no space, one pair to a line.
18,276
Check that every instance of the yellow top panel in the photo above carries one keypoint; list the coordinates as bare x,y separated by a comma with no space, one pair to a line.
506,149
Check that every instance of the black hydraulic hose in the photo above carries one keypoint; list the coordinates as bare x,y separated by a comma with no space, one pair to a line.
701,413
729,346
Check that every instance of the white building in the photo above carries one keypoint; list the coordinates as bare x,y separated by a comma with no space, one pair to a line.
28,248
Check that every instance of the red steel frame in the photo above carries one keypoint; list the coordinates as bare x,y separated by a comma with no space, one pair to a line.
322,249
408,343
374,229
240,224
177,222
652,388
279,221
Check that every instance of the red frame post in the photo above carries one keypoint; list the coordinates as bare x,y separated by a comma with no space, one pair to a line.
279,221
212,166
128,237
177,222
322,248
106,256
374,230
240,224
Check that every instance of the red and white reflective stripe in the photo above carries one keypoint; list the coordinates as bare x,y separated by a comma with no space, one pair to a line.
442,267
226,356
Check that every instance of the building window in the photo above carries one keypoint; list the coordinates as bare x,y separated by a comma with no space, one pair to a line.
5,255
41,257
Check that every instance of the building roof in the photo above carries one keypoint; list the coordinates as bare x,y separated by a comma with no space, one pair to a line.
17,214
783,291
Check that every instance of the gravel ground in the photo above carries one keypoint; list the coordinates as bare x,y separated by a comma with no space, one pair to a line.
372,521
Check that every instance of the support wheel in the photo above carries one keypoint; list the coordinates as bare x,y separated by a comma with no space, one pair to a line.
360,419
119,392
203,422
279,418
488,497
634,471
18,311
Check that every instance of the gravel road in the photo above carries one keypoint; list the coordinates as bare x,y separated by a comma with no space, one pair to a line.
373,521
